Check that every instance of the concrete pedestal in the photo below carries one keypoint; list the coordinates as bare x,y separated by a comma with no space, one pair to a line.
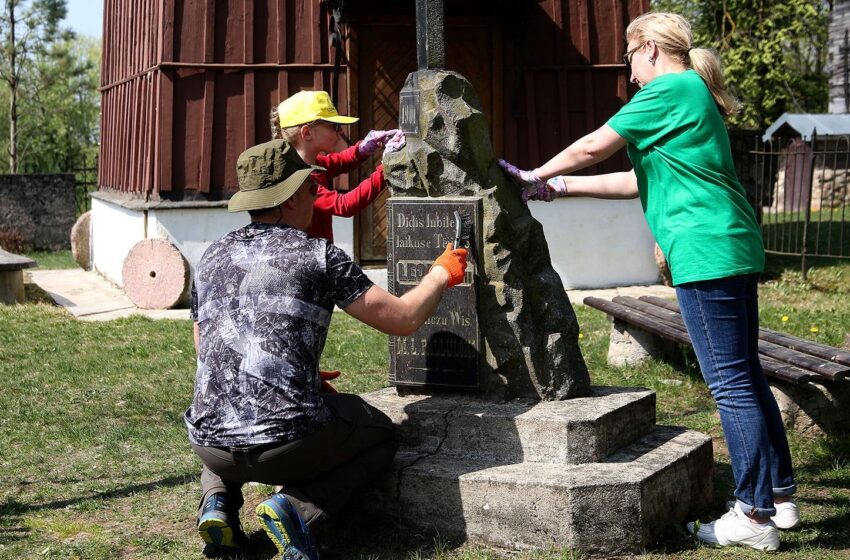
594,474
12,277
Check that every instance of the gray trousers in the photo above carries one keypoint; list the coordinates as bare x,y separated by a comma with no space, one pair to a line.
320,472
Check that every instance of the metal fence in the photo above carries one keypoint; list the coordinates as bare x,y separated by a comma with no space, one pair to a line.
85,182
800,191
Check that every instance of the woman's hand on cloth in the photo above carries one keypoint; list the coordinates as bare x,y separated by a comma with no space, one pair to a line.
533,187
391,140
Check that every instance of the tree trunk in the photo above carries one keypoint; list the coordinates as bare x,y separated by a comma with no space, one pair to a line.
13,93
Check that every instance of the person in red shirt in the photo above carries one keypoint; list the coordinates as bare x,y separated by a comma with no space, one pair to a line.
309,121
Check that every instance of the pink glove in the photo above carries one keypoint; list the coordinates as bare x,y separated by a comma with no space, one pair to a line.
557,187
375,140
533,187
395,143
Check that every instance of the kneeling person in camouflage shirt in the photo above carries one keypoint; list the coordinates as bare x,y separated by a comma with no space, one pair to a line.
262,301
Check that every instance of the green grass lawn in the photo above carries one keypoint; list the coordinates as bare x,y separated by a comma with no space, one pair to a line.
53,259
96,464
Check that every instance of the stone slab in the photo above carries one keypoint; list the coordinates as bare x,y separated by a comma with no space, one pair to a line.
155,275
575,431
12,262
81,240
90,297
616,506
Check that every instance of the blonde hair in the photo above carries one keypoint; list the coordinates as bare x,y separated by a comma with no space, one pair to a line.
672,34
290,134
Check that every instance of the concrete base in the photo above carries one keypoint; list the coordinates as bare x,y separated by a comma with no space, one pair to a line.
12,287
631,346
814,409
593,474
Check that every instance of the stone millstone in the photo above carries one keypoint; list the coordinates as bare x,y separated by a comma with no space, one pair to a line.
155,275
81,240
529,328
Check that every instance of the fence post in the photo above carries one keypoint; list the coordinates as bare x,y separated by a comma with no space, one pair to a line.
808,212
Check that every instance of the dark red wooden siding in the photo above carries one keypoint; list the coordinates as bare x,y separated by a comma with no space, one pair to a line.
188,84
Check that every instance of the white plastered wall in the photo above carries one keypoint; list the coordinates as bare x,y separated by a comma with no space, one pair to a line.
592,243
598,243
114,231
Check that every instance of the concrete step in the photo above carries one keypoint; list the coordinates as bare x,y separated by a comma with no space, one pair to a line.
616,506
565,432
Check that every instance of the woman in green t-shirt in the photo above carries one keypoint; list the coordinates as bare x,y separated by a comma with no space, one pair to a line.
698,212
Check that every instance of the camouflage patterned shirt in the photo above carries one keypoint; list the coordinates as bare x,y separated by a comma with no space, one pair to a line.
263,297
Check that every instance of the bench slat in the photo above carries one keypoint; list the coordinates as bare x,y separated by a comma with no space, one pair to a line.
816,365
11,261
782,339
636,318
784,371
830,370
664,323
807,346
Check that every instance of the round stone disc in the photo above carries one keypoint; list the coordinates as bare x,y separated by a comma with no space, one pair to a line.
155,274
81,240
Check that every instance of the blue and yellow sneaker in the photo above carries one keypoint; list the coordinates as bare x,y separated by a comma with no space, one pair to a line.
286,529
223,536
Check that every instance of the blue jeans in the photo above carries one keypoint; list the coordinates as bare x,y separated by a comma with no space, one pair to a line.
722,320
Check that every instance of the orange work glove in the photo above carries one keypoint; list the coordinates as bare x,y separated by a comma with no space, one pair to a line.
326,376
454,261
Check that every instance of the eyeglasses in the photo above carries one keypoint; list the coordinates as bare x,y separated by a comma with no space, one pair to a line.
335,126
627,58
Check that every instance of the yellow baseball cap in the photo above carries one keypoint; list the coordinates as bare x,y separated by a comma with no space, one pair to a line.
309,106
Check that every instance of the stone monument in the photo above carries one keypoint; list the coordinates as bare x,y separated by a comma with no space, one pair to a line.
503,440
528,341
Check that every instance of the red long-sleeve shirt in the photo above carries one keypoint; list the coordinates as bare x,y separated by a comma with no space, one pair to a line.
330,203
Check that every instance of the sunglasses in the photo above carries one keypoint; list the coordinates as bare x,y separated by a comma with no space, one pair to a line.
627,58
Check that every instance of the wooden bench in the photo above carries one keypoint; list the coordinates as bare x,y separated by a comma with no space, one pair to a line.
12,277
808,378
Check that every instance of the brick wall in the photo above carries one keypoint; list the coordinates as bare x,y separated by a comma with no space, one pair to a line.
39,207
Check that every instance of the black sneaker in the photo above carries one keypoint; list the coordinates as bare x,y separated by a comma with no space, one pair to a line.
221,533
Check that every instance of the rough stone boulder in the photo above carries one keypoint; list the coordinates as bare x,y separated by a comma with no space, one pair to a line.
530,332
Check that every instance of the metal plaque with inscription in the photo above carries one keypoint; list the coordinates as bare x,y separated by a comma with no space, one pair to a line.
445,351
408,112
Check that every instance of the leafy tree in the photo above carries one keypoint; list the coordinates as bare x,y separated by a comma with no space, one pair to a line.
773,51
28,30
59,124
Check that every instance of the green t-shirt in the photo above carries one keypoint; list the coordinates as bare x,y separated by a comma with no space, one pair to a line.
694,204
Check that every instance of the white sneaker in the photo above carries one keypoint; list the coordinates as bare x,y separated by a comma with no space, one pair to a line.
735,528
787,514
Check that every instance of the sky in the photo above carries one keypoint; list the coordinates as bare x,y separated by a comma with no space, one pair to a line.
85,17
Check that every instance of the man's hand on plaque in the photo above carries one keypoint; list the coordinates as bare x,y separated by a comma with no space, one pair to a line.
454,261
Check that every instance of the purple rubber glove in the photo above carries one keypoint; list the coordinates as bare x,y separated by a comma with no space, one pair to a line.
374,141
533,188
395,143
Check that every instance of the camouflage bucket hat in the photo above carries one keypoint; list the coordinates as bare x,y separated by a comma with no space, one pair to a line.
268,175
